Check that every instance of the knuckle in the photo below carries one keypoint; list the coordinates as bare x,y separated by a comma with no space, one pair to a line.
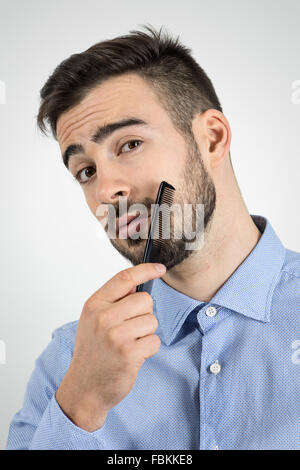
157,341
117,341
89,306
113,336
152,320
125,348
155,321
147,298
103,320
124,275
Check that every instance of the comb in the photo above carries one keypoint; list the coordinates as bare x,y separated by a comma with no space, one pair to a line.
159,224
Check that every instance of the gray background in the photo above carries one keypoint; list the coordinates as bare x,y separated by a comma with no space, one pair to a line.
53,253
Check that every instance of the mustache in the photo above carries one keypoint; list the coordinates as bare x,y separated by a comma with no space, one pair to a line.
109,211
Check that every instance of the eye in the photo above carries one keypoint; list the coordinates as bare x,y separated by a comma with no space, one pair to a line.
130,142
85,170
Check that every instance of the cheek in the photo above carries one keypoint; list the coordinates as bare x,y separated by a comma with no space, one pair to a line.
91,202
169,167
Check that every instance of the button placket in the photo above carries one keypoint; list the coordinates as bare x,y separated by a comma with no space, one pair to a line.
208,321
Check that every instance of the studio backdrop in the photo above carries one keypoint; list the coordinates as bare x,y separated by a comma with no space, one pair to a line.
53,252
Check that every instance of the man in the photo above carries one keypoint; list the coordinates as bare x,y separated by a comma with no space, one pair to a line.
208,358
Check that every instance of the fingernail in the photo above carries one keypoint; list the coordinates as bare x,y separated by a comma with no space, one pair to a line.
160,267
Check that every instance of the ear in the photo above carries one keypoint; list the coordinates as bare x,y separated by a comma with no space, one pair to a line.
214,136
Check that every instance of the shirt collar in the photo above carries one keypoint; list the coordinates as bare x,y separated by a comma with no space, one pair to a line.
248,291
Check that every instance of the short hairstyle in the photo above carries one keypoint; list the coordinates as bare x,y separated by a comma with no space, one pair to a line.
182,86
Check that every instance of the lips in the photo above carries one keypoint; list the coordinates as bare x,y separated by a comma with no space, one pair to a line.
125,220
127,227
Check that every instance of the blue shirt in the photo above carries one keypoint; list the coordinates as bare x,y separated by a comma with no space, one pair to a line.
226,375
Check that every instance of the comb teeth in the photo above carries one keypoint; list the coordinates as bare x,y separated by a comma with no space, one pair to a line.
154,244
162,226
157,243
167,196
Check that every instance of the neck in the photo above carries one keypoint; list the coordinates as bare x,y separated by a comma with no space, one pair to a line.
228,239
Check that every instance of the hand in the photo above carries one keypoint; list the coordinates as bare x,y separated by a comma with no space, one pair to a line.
115,335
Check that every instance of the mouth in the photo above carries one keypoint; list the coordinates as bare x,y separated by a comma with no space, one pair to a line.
134,224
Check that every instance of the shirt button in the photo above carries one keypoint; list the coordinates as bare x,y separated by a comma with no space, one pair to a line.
211,311
215,367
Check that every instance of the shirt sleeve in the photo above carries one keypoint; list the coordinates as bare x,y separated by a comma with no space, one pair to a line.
41,424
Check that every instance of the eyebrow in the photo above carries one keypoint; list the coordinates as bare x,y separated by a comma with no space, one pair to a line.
101,134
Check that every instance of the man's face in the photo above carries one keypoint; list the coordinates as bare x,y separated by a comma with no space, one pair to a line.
133,160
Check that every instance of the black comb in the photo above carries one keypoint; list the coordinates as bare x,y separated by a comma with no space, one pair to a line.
157,229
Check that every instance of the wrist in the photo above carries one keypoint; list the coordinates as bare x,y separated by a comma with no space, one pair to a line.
84,412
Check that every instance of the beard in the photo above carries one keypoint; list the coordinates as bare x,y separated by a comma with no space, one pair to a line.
195,187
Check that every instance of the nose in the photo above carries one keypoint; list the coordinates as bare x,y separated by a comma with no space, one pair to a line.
110,188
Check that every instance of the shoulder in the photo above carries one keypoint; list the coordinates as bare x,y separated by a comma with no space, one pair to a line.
66,333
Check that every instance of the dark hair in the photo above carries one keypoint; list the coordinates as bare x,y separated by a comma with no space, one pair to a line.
181,84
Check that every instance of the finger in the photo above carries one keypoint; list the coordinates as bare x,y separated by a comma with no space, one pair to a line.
138,303
147,346
138,327
126,280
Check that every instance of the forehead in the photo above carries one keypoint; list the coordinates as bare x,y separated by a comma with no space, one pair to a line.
114,98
